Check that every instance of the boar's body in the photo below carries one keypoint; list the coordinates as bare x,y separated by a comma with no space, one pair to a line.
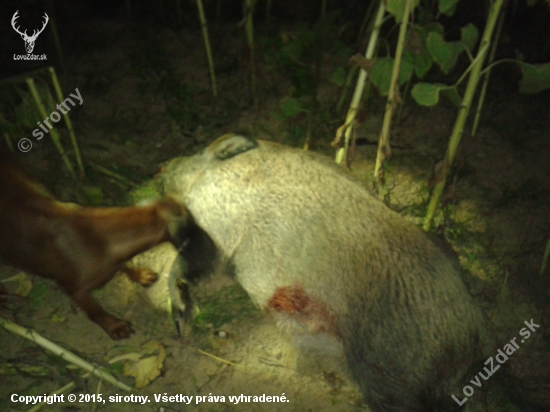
313,248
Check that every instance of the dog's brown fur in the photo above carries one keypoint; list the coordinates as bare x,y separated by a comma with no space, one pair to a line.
79,247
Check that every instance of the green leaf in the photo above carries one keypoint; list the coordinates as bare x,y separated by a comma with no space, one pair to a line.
448,7
382,70
339,76
381,74
291,107
421,62
452,95
436,27
91,195
444,53
536,78
419,55
427,94
469,35
407,68
397,8
38,293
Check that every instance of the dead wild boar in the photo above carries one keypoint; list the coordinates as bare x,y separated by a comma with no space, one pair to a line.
327,260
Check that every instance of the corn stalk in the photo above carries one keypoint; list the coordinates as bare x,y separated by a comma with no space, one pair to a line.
204,27
384,140
347,127
53,132
458,130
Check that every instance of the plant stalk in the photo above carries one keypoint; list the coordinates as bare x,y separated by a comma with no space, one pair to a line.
384,140
341,154
458,130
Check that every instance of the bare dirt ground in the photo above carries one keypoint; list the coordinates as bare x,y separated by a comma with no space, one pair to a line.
146,99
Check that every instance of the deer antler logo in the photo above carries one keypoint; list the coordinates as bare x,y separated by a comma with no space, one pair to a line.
29,40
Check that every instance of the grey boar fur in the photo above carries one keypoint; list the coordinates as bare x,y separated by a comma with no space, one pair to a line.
316,251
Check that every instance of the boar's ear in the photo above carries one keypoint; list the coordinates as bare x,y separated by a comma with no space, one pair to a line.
230,145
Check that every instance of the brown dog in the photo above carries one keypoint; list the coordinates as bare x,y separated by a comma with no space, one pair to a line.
79,247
